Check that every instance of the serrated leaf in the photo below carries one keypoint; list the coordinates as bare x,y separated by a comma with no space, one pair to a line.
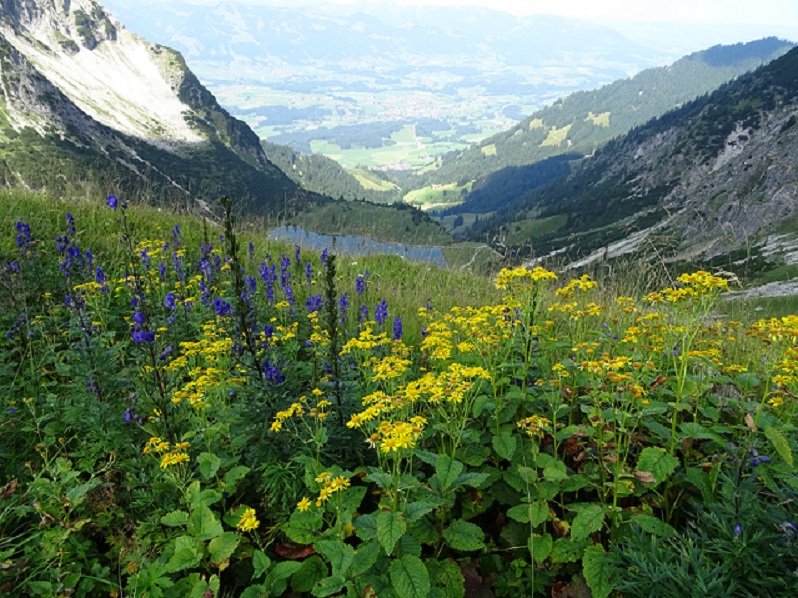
598,571
365,556
557,471
303,526
479,404
188,553
208,464
338,554
540,547
473,479
222,547
447,470
366,527
654,525
390,527
465,536
312,571
448,576
260,563
277,579
519,513
381,478
175,518
258,591
409,577
568,550
329,586
504,444
202,523
539,512
699,432
780,443
416,510
589,520
233,477
658,462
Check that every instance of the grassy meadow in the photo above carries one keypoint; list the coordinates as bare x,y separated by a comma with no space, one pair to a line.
190,410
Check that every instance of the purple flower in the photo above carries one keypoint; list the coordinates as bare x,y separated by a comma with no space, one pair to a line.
381,312
112,202
251,283
296,253
360,285
308,272
363,314
222,307
313,303
251,249
397,328
143,336
343,306
166,352
139,318
738,529
324,255
169,301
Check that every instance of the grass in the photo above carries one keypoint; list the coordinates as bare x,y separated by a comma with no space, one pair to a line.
556,136
600,120
450,193
524,231
368,180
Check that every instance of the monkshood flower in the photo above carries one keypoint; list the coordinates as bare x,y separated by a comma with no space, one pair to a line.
251,250
112,202
161,270
313,303
24,237
296,253
363,314
177,236
397,328
143,336
381,312
308,272
166,352
343,304
99,278
324,255
139,319
169,301
251,283
13,267
268,276
70,221
89,258
222,307
360,285
273,373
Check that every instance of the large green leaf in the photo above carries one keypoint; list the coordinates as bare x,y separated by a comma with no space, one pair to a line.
366,555
504,444
208,464
448,470
654,525
409,577
658,462
447,576
277,579
203,524
233,477
598,571
222,547
260,563
780,443
175,518
188,553
390,527
587,521
462,535
312,571
338,554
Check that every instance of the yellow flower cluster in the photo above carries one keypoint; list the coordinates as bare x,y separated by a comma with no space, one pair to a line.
330,484
366,340
248,521
172,455
523,278
698,284
535,426
582,284
301,409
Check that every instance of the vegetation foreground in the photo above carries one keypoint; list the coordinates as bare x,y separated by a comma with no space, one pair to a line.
185,415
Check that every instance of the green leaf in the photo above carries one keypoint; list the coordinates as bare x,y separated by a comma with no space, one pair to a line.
448,470
366,527
208,464
175,518
780,443
587,521
480,403
258,591
365,556
416,510
598,571
329,586
697,431
540,547
528,474
233,477
447,575
187,554
277,579
338,554
473,479
303,526
222,547
654,525
557,471
312,571
465,536
539,512
202,524
658,462
568,550
409,577
260,563
504,444
519,513
381,478
390,527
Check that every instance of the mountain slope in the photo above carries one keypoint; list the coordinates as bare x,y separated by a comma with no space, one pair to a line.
97,103
713,177
583,121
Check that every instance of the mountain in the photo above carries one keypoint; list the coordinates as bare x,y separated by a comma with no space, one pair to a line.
82,99
714,180
583,121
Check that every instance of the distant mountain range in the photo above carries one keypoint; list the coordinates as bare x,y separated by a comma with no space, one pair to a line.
714,180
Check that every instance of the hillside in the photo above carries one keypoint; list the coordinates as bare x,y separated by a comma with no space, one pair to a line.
713,180
585,120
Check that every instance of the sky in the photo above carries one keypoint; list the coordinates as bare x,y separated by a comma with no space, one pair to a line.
729,20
